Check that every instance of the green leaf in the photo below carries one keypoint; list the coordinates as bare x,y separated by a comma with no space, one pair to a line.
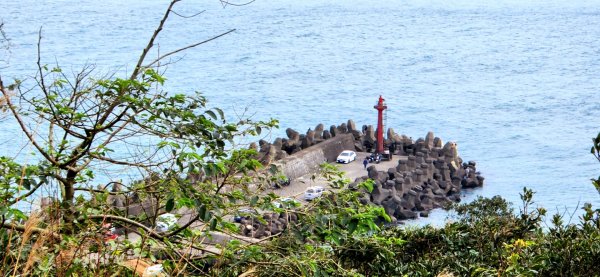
231,199
170,205
220,112
231,128
27,184
212,114
352,226
368,185
207,216
202,211
254,200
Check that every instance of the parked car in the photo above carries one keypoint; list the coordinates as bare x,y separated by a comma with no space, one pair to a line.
286,202
313,192
346,156
244,213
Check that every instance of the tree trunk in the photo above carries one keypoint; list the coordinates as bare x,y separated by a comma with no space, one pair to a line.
67,203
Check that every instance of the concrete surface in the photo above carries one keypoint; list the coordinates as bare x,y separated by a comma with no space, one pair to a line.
352,171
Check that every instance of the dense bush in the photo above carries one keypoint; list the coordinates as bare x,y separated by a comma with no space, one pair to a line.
487,238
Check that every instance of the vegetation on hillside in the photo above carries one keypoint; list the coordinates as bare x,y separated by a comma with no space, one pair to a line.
185,156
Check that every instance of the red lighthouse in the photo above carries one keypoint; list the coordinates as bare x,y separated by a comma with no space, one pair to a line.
380,107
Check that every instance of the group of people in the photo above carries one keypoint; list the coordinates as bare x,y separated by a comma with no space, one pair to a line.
375,157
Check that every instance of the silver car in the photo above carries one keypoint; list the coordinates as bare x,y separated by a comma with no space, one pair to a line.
346,156
313,192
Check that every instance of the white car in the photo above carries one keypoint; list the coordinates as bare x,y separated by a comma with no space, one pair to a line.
165,222
346,156
286,202
313,192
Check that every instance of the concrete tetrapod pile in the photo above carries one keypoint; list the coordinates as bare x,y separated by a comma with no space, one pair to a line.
274,223
429,177
295,142
364,141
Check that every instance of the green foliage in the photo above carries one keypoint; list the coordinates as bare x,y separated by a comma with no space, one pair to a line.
596,152
334,175
486,238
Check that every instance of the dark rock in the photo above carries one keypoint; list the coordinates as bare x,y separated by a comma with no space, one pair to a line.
364,199
379,193
402,166
319,131
389,184
292,134
370,135
310,135
398,185
391,172
425,204
439,191
305,143
253,146
262,142
403,214
343,128
454,197
429,138
260,232
373,173
437,142
351,126
419,158
293,217
333,130
411,162
358,147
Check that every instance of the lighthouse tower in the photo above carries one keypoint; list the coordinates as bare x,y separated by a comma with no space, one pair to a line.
380,107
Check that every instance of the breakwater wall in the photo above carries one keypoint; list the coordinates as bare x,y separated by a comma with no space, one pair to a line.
308,160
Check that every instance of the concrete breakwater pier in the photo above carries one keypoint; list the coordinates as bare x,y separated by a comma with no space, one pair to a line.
421,175
426,175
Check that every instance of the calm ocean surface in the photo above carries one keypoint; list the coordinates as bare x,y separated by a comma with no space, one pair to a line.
516,85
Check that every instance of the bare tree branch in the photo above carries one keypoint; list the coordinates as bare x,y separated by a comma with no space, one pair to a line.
30,192
188,16
128,221
24,128
187,47
225,3
21,228
150,44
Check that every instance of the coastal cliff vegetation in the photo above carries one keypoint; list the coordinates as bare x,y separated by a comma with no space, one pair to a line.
186,159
